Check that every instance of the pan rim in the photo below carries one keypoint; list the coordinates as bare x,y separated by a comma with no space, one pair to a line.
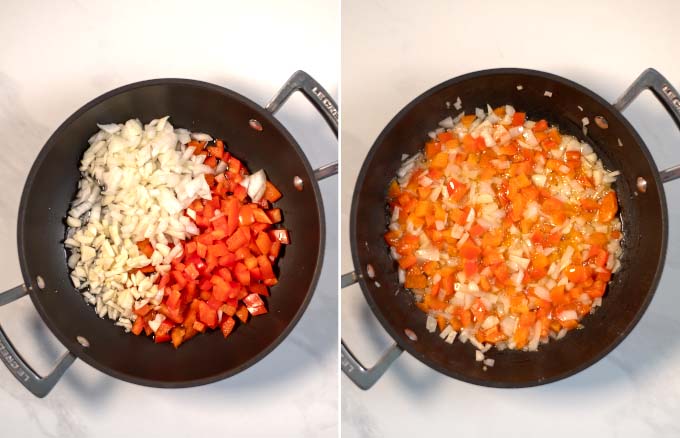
71,344
398,337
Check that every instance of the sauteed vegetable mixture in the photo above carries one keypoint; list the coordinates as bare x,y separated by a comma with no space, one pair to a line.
505,230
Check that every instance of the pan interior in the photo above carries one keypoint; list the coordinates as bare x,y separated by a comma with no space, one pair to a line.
52,184
643,215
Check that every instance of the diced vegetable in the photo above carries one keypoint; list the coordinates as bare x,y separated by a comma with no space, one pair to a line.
503,227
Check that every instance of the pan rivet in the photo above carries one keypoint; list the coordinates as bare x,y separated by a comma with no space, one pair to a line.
411,334
82,341
255,124
601,122
298,183
41,283
641,184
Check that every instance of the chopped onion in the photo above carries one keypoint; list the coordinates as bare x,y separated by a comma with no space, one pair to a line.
256,185
200,136
567,315
542,293
427,254
431,324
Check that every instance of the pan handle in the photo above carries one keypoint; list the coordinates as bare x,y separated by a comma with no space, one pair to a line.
669,97
362,376
38,385
322,101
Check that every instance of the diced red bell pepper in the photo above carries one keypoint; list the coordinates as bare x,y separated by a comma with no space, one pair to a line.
191,271
258,228
220,224
163,332
240,238
274,250
280,235
245,215
177,335
250,262
219,249
265,267
142,311
469,250
173,299
207,315
229,308
205,284
234,165
179,278
227,326
263,243
138,326
260,216
172,314
201,249
271,193
199,326
214,303
259,289
242,273
274,215
190,248
145,247
206,239
242,253
236,290
242,313
254,304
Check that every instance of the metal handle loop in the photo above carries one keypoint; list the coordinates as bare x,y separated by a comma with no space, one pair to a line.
38,385
361,375
669,97
322,101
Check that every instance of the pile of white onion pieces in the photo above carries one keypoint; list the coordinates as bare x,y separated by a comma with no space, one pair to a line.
136,183
490,127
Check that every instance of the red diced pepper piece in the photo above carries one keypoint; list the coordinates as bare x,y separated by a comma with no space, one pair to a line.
274,215
254,304
271,193
242,313
263,243
265,267
173,299
191,271
260,216
259,289
242,273
281,235
207,314
227,326
163,332
240,238
228,260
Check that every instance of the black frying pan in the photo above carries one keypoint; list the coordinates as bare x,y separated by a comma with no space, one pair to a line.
252,134
643,212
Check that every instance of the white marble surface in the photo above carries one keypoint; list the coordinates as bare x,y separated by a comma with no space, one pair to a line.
56,56
394,50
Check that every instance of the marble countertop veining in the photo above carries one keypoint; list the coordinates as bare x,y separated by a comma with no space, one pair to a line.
392,52
55,57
